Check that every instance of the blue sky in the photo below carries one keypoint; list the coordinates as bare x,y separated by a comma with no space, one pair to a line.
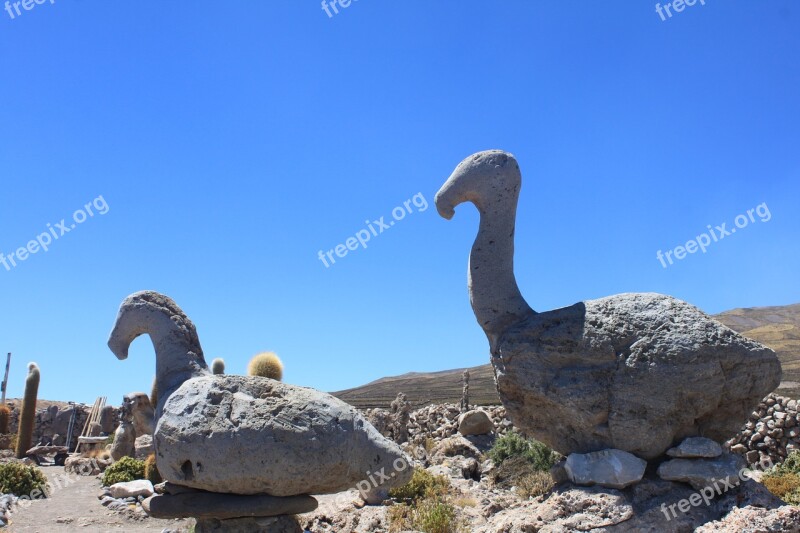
233,141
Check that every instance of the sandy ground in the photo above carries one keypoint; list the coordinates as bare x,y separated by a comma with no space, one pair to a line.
73,506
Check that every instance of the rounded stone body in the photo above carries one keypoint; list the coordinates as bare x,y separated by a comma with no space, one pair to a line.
253,435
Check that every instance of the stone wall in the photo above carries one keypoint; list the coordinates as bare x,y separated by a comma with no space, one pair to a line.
54,421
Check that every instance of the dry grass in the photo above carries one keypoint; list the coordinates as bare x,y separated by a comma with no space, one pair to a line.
784,486
534,484
429,504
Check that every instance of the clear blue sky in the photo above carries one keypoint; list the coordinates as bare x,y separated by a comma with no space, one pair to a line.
232,141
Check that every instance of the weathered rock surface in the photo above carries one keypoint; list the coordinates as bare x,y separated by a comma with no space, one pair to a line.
108,419
277,524
454,446
131,489
225,506
475,422
143,447
700,473
124,444
750,519
695,448
143,413
86,466
616,372
248,435
610,468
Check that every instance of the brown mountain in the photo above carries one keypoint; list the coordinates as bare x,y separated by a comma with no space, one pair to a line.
777,327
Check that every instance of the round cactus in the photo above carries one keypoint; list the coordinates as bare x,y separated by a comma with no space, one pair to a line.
266,365
218,366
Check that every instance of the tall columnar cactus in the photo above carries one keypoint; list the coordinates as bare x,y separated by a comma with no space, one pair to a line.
218,366
154,393
28,414
5,416
266,365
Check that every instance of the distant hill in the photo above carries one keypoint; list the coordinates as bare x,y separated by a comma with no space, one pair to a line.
777,327
425,388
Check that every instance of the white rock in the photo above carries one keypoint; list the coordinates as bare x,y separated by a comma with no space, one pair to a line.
140,487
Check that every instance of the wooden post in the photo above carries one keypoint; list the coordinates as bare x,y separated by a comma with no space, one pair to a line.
5,379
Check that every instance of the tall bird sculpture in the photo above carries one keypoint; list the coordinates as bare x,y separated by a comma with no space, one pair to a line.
636,372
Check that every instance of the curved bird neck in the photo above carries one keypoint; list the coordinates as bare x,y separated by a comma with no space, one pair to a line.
494,294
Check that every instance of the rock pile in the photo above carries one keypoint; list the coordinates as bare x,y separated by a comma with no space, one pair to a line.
434,422
771,433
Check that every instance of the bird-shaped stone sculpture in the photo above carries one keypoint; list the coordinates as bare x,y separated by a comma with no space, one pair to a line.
248,434
636,372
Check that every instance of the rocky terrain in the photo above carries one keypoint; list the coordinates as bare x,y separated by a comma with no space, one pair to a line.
485,498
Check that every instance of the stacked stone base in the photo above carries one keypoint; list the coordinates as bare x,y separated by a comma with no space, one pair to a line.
229,513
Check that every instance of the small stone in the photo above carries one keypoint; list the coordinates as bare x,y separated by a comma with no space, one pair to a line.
610,468
694,447
559,473
475,422
131,488
701,473
741,449
375,495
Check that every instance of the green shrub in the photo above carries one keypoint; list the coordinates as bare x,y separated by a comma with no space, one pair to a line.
21,480
791,465
433,515
512,445
422,484
126,469
151,471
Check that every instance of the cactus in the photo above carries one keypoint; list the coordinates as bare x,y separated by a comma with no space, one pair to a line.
151,470
266,365
154,393
5,416
26,417
218,366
